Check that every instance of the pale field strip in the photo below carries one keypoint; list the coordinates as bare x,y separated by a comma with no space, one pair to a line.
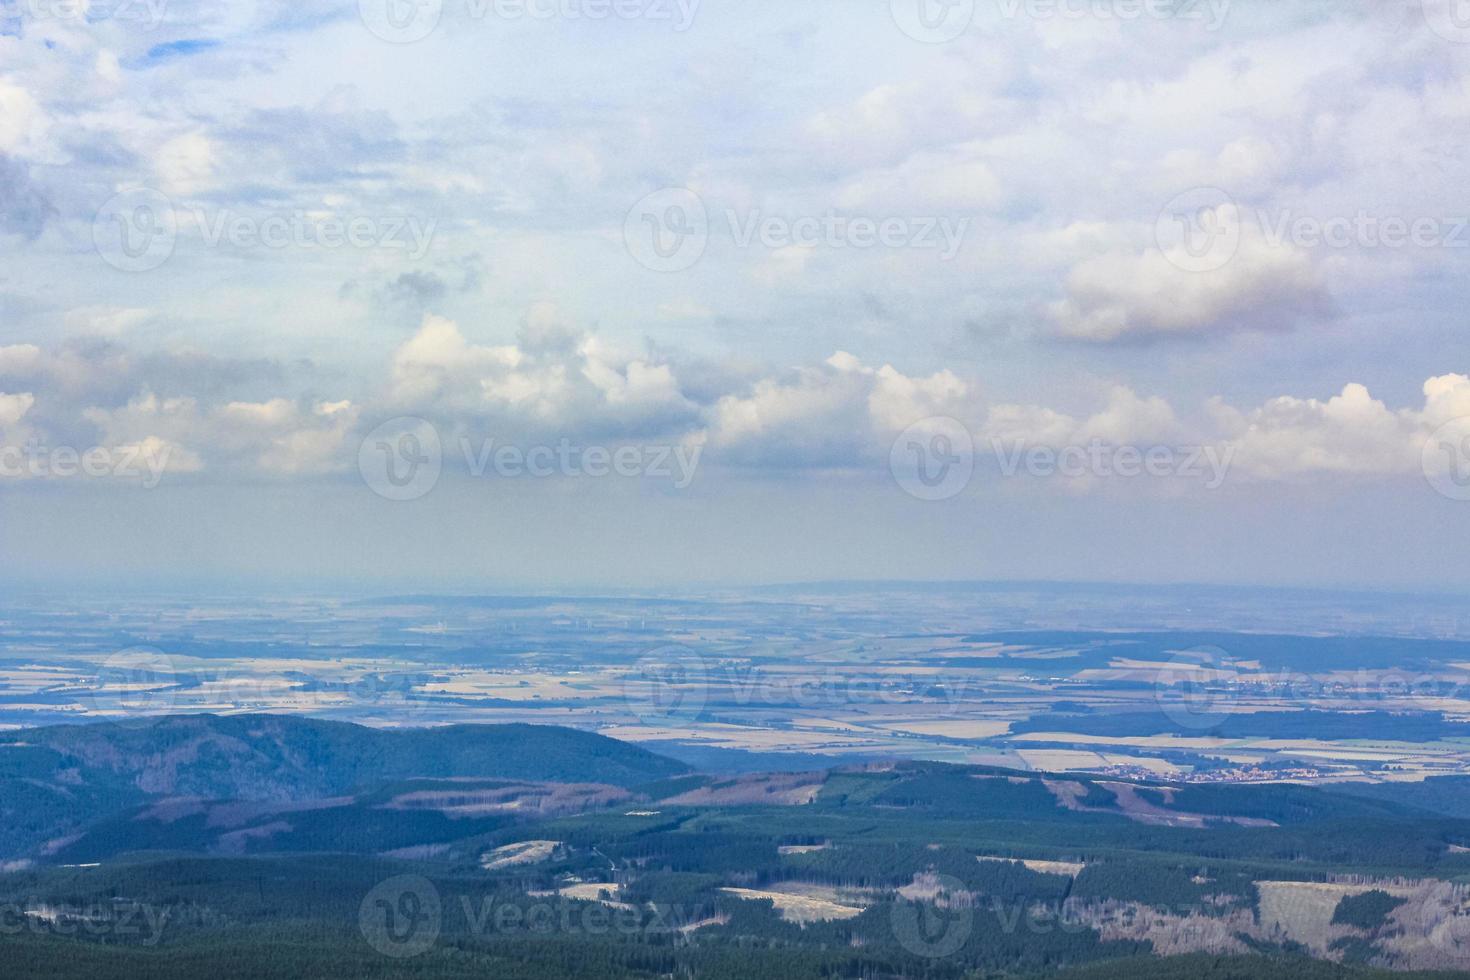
830,723
1060,760
714,920
1067,869
819,674
1161,767
521,852
950,729
802,903
781,789
1271,744
516,686
737,737
1074,760
31,679
1351,755
604,893
76,709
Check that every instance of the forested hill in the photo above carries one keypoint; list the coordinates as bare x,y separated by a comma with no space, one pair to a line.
276,757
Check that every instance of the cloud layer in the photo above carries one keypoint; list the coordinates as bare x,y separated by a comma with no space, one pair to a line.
556,382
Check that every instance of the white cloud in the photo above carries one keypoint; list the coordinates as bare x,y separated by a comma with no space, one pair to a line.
20,117
1126,296
1349,433
554,377
14,407
185,164
1125,419
274,437
838,414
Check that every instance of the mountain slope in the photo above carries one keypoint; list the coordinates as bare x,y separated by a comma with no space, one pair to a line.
57,779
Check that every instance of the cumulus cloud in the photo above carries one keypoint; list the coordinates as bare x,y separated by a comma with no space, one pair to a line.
556,381
555,377
1349,433
14,407
1150,294
20,117
836,414
1126,418
279,437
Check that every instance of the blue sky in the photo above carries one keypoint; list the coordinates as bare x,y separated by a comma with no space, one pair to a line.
795,242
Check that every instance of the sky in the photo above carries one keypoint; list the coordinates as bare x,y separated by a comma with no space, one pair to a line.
661,293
